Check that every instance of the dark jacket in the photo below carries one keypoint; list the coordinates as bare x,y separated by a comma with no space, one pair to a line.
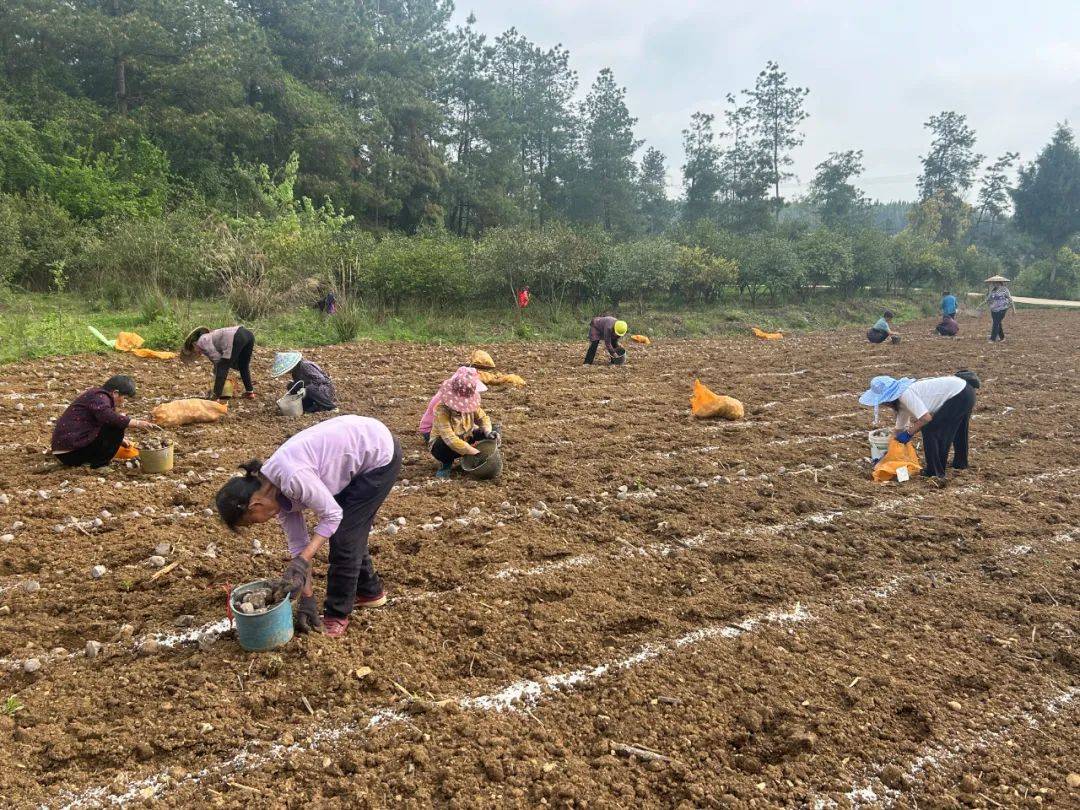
602,328
82,420
319,393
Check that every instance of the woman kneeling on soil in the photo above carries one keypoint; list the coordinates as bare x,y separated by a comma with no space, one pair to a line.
940,407
227,349
608,329
949,326
458,420
319,391
91,429
342,469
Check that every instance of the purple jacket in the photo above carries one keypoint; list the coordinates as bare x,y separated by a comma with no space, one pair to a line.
82,420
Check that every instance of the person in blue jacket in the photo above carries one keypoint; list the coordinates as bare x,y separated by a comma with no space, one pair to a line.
948,304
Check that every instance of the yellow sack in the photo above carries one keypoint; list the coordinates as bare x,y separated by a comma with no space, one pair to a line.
898,455
481,359
704,404
498,378
153,353
759,333
188,412
642,339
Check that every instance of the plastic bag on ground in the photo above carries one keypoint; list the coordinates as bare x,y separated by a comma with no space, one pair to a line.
704,404
898,455
188,412
126,453
644,340
760,333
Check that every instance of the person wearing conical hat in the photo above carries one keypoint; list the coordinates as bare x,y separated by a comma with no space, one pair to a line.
227,349
319,393
608,329
458,420
1000,301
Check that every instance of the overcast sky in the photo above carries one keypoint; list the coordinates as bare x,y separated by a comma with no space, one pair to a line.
876,69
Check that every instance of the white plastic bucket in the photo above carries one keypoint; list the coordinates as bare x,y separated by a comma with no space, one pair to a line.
292,404
879,443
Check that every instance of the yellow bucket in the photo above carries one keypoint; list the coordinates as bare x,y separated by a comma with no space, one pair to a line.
157,461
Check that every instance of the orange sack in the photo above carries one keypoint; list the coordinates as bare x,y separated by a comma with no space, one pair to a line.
759,333
188,412
704,404
642,339
126,453
898,455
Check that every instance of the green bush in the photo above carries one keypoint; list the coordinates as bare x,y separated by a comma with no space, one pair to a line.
47,234
641,271
1056,277
346,322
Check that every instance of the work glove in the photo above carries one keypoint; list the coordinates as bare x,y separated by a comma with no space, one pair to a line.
296,574
307,618
903,437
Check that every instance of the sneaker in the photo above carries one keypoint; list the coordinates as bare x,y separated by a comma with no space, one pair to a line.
443,472
335,627
378,600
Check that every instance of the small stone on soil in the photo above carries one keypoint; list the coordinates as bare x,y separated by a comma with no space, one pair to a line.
955,705
162,549
31,665
98,571
31,586
92,649
1073,780
184,620
6,538
970,783
157,561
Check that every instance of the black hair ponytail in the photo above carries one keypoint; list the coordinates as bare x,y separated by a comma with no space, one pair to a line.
233,498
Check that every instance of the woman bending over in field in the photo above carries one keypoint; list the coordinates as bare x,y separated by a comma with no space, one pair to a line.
227,349
342,470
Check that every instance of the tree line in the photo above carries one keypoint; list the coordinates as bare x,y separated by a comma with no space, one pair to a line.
222,129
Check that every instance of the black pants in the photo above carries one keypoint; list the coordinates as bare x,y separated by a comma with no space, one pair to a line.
949,428
996,332
590,355
876,335
99,452
444,453
242,347
351,570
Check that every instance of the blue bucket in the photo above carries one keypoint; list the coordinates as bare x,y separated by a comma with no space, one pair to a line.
261,631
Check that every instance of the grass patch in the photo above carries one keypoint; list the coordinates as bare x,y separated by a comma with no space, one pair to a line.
51,324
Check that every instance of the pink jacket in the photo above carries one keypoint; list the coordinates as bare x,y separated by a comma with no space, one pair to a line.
428,420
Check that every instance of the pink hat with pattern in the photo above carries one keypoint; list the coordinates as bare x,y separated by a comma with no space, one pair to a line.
462,391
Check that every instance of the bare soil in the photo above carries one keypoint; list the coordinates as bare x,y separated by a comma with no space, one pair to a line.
736,601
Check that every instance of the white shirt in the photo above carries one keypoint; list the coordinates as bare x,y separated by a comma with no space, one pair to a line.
926,396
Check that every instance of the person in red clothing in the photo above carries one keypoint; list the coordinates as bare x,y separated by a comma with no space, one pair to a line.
523,298
91,429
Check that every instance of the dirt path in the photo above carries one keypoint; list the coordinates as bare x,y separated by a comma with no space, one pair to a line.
737,600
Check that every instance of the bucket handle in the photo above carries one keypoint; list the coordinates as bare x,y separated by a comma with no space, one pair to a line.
296,388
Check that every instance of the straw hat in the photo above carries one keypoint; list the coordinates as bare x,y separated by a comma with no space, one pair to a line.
997,280
284,362
462,391
481,359
194,335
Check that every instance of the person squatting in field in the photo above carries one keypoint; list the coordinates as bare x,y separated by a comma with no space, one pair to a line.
880,331
938,407
91,429
341,469
319,393
949,326
457,420
227,349
606,329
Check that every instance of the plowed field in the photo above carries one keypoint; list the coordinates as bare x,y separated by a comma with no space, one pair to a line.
738,599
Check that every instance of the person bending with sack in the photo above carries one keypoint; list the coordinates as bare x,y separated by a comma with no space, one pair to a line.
938,407
227,349
606,329
341,469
